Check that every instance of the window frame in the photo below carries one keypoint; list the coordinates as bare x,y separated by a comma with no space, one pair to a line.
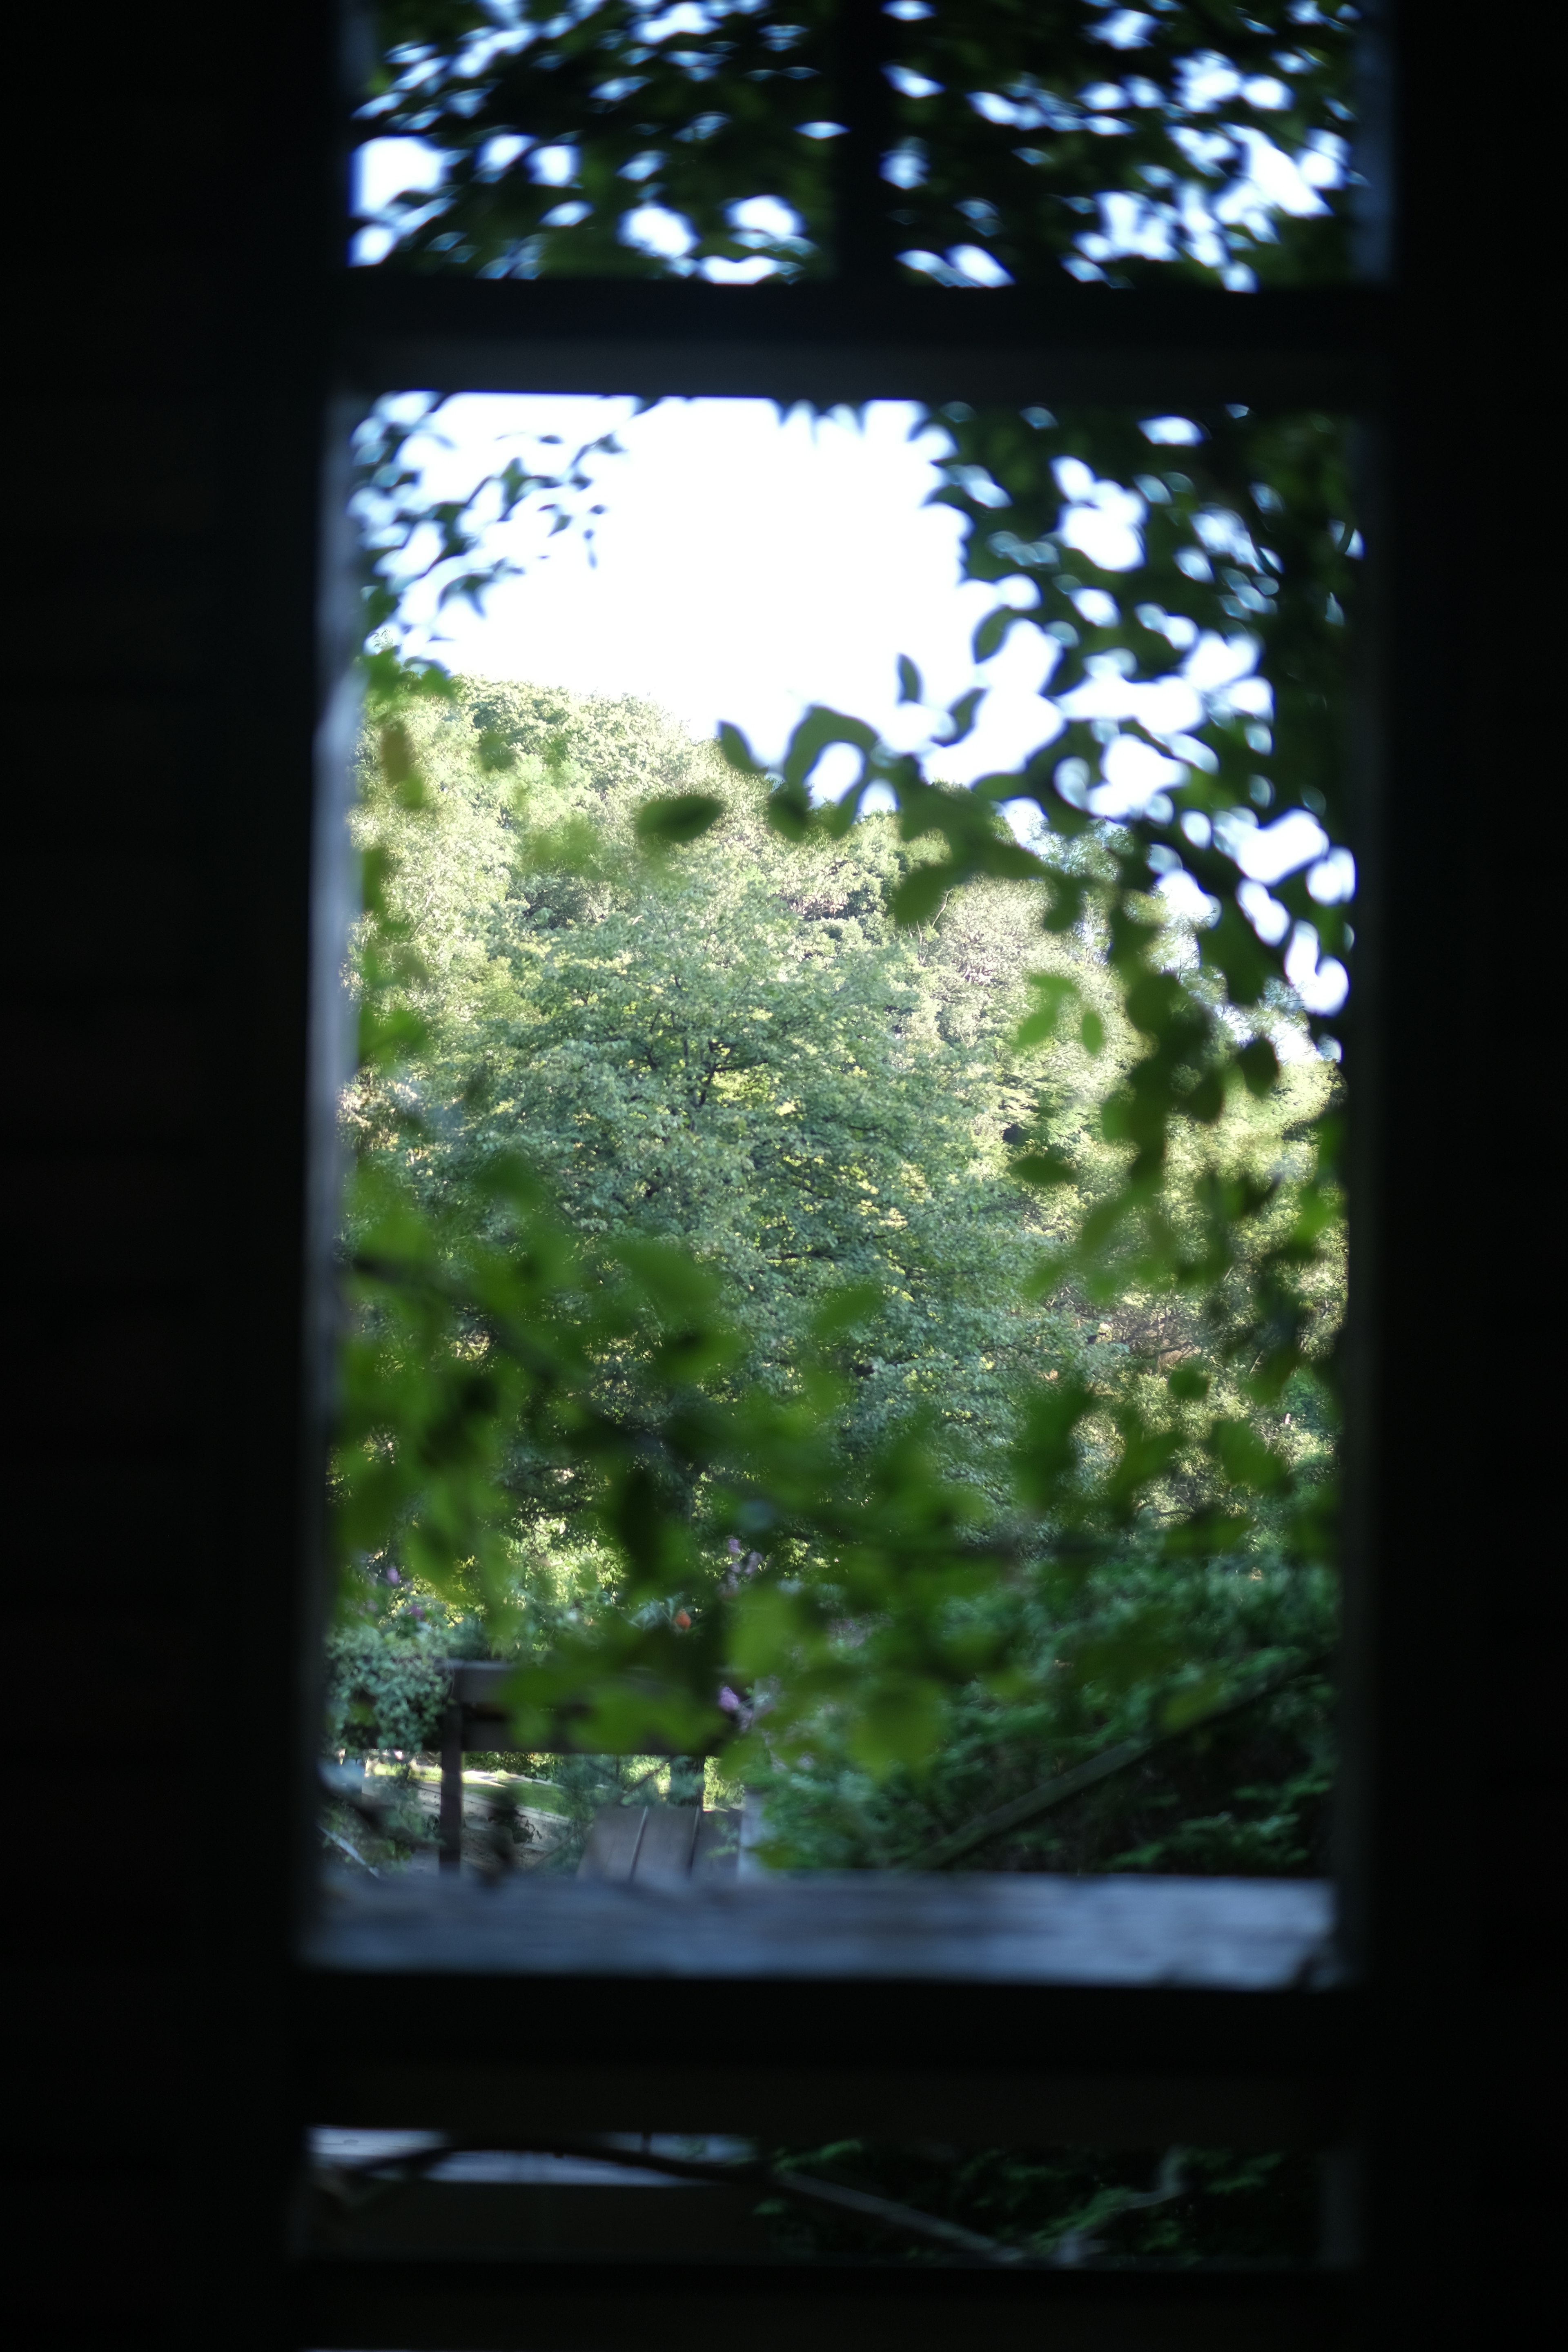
1368,350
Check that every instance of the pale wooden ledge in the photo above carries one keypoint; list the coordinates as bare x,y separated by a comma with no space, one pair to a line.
1216,1934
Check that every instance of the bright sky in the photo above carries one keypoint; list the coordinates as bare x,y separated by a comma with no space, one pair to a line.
748,564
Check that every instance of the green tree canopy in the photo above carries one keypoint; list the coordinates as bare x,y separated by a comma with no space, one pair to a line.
808,1164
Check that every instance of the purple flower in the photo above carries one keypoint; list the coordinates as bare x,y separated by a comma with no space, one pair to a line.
728,1702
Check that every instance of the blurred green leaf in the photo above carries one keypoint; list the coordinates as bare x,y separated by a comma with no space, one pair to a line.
1047,1167
992,633
675,818
737,750
920,893
843,1311
1258,1064
961,717
1245,1458
814,734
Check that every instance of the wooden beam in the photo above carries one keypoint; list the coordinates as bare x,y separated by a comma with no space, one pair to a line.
1003,1929
1309,349
1131,2012
570,2307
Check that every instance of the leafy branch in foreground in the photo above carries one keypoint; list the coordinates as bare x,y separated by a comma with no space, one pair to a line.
591,142
761,1564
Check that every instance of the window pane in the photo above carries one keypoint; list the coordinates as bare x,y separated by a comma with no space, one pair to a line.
845,1257
609,140
1126,146
972,143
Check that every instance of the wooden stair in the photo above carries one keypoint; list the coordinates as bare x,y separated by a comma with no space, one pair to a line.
650,1845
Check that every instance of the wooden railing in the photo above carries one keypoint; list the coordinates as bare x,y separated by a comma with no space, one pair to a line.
477,1720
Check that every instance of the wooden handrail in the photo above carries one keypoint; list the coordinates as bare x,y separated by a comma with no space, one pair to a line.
477,1720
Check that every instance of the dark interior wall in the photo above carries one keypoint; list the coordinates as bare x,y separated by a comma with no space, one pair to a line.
1458,1808
162,436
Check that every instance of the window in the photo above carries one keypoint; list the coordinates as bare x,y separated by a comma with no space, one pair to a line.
775,263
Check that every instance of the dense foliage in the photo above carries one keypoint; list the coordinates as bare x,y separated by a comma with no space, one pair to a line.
1065,2206
976,143
731,1043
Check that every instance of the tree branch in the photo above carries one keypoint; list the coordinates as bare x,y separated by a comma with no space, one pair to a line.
1110,1761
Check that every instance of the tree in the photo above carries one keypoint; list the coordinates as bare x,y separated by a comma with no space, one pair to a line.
735,1048
728,1045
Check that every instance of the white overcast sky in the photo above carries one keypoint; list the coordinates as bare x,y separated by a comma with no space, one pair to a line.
748,564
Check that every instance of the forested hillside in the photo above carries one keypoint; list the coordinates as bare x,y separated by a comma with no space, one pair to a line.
869,1137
